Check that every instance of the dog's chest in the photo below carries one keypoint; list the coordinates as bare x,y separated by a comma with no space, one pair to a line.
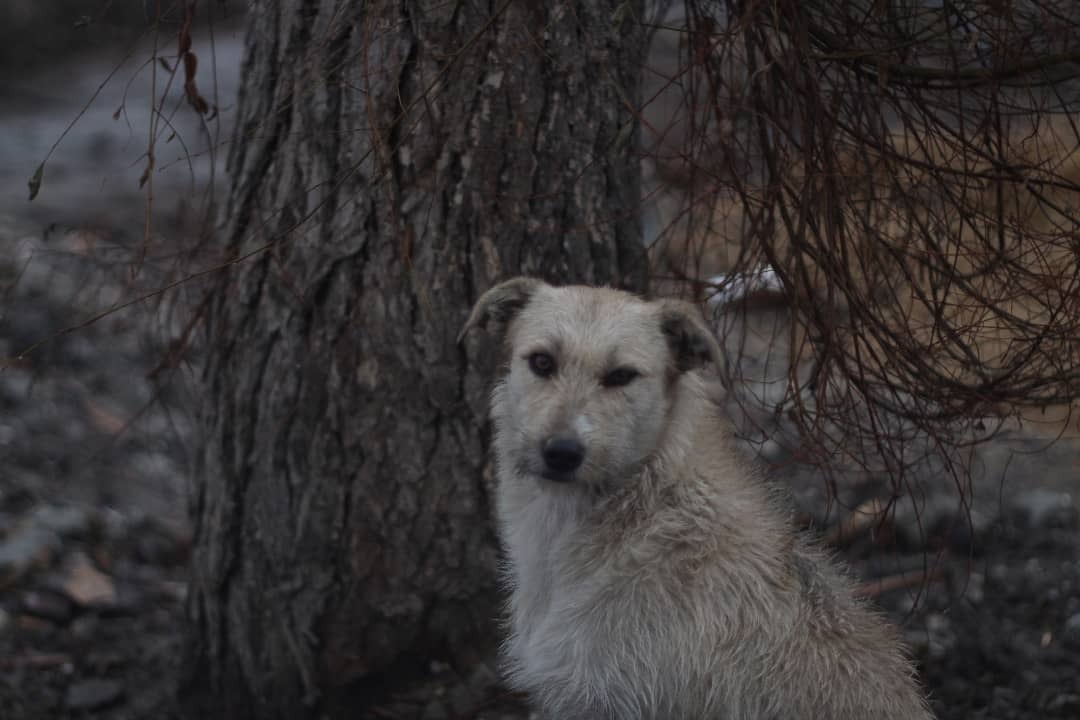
538,533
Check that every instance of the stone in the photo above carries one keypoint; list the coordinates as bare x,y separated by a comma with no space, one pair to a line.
435,710
95,694
1039,508
66,521
48,605
1065,702
462,703
1072,632
28,546
128,600
972,588
482,678
85,584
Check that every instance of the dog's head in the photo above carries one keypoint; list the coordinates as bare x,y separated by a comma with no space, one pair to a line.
591,377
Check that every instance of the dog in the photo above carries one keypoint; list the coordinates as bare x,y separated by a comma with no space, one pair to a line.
652,574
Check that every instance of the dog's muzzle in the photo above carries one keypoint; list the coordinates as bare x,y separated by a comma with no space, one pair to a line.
562,456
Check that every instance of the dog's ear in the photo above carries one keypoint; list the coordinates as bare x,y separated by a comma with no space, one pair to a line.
501,303
691,341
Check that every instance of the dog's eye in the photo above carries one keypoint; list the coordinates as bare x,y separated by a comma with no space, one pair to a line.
542,364
619,377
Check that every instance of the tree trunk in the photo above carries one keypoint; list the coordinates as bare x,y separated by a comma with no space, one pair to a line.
390,162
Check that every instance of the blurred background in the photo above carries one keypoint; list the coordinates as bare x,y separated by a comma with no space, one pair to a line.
96,425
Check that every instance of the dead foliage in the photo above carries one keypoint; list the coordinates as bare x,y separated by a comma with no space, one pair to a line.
911,173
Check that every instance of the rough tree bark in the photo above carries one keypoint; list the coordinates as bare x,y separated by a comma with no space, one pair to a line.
391,161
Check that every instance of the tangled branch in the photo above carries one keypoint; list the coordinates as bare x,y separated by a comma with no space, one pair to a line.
910,171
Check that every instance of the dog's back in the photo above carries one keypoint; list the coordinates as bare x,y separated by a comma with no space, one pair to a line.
652,574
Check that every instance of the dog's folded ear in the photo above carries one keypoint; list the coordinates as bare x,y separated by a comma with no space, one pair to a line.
501,303
691,341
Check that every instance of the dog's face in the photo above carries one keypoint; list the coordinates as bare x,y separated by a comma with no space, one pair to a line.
590,380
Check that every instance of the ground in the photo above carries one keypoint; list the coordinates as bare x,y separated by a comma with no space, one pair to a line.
94,537
96,427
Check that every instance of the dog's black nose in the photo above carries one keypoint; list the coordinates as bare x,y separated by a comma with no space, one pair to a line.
563,454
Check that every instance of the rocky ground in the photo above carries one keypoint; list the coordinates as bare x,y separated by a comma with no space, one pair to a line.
96,426
94,537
